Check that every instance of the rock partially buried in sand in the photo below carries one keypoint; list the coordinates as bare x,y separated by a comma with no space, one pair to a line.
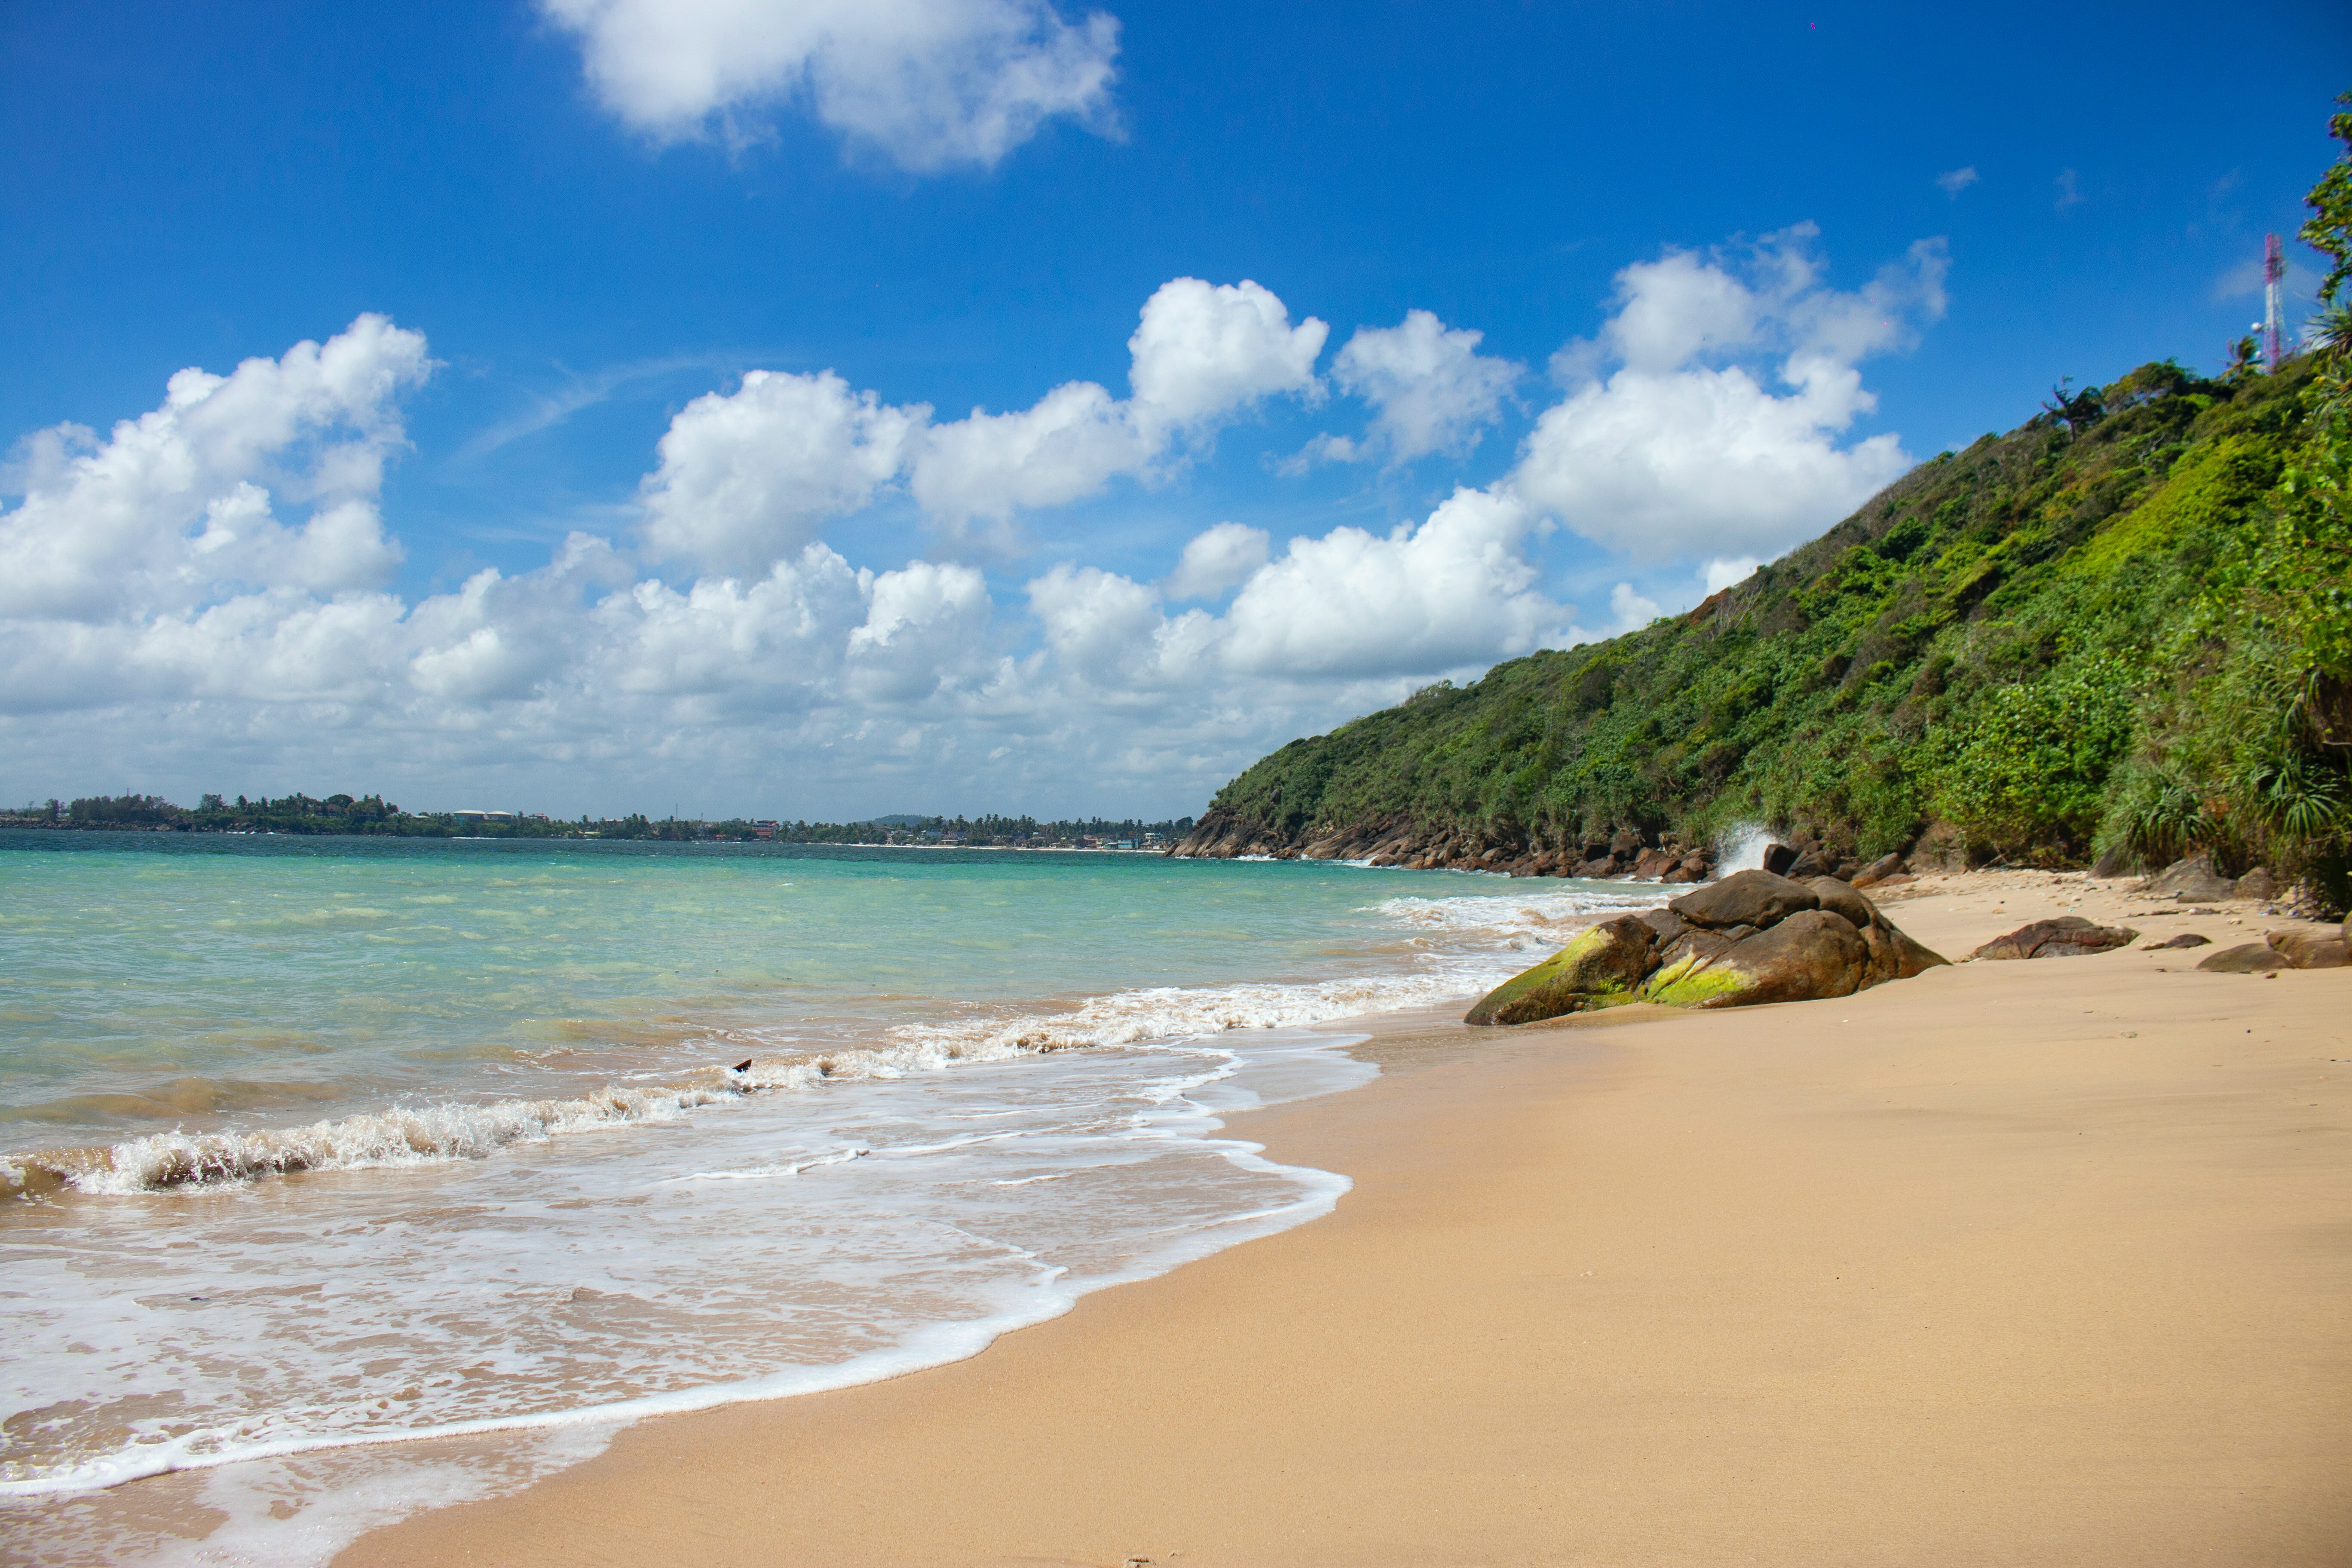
1749,938
2068,936
2186,939
2310,949
2253,958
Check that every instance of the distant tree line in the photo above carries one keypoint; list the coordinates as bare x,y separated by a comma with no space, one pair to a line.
372,814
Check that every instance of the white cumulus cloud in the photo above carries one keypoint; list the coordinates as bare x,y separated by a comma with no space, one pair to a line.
1203,351
926,83
173,505
1216,559
1430,389
1689,447
748,478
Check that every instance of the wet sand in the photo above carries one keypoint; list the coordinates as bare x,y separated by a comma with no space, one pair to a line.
2013,1263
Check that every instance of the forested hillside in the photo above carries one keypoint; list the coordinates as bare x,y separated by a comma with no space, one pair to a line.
2123,628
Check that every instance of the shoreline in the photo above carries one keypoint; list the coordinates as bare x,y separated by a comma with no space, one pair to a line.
2113,1200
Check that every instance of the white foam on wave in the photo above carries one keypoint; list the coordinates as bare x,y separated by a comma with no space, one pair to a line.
1536,912
406,1136
793,1241
401,1135
640,1279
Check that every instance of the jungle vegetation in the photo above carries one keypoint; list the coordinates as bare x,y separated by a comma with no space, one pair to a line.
2122,629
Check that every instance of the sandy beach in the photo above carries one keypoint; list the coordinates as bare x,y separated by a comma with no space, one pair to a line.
2012,1263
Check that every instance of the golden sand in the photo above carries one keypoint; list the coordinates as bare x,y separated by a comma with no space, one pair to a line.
2013,1263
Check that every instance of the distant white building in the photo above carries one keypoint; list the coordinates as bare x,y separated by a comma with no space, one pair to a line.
483,815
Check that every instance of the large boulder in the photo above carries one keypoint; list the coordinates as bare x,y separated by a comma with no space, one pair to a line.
1810,954
1751,938
2190,879
1778,858
1755,898
2068,936
2248,958
1598,968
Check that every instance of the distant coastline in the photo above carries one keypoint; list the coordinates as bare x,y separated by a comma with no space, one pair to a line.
372,815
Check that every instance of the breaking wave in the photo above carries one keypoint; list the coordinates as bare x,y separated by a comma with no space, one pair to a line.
426,1134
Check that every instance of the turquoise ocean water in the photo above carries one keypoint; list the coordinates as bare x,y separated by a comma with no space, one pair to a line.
311,1146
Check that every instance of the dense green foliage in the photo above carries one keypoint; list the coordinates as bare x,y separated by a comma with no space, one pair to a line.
2121,627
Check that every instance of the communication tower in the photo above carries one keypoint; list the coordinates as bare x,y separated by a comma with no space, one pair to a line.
2274,302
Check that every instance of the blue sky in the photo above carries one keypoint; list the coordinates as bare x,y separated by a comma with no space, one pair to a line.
581,216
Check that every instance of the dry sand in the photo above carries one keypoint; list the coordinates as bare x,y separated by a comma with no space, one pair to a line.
2013,1263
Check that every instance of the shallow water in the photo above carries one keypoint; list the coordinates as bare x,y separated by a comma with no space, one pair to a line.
323,1144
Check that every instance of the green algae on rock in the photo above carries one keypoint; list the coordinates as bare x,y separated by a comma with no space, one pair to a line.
1750,939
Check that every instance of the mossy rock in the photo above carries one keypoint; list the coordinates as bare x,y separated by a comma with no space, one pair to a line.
1601,967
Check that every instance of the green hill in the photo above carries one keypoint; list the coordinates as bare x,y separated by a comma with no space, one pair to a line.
2120,628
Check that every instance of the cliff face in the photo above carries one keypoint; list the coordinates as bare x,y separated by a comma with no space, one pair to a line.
1961,671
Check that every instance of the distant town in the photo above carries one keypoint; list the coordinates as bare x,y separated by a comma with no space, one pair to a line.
372,815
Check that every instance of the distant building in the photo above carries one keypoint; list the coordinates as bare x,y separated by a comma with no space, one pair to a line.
483,815
763,829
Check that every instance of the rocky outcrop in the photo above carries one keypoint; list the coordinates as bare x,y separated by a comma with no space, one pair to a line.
2307,947
2310,949
1749,938
2068,936
1224,835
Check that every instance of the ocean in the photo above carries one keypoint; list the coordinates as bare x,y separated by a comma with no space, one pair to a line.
309,1147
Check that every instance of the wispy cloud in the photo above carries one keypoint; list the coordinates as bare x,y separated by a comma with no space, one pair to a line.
2068,193
1952,182
548,409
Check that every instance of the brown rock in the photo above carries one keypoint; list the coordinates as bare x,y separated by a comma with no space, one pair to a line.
1778,858
1667,926
1811,861
1808,954
1885,866
1894,955
2186,939
1692,870
1841,899
2190,878
2253,958
1651,864
2068,936
1755,898
2320,949
2257,883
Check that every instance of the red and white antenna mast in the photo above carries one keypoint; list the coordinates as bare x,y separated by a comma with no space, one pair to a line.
2274,302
